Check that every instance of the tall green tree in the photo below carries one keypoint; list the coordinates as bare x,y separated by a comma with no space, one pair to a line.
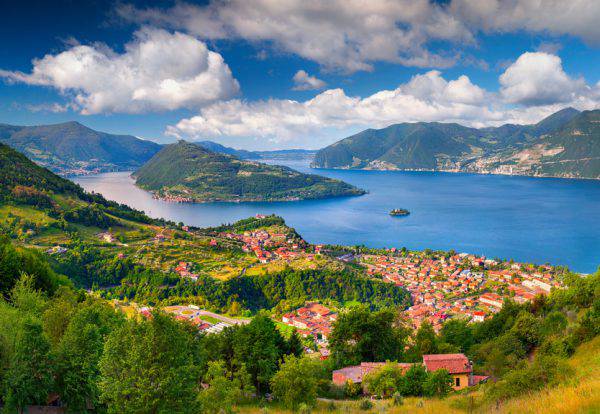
149,367
28,379
425,342
295,383
361,335
294,344
260,346
225,389
78,355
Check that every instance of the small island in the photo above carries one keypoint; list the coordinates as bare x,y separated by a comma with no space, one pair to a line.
399,212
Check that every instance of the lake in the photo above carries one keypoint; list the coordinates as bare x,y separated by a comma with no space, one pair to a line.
527,219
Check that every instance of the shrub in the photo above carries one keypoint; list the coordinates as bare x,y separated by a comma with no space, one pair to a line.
412,382
383,382
352,389
398,400
438,383
365,405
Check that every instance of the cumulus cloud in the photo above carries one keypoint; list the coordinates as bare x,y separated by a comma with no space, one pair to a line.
532,87
538,78
157,71
304,82
339,34
426,97
559,17
353,34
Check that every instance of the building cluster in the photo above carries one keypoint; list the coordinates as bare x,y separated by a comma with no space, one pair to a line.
313,320
183,269
461,285
271,246
458,366
203,320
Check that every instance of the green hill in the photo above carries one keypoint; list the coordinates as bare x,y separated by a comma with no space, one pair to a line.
565,144
70,147
403,146
188,172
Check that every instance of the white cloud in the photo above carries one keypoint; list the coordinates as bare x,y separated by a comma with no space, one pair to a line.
425,97
157,71
304,82
559,17
339,34
537,78
353,34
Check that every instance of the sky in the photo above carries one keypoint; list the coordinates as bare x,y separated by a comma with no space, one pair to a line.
273,74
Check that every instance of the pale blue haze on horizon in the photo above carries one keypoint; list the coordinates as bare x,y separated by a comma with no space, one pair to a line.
524,218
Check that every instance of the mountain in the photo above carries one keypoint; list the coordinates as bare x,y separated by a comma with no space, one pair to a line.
564,144
222,149
571,151
418,145
287,154
72,148
188,172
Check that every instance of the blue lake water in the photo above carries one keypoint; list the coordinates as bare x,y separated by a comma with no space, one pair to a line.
528,219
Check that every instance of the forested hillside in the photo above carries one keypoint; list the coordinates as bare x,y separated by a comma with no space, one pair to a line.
72,148
564,144
188,172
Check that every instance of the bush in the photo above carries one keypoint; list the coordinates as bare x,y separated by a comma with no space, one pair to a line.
352,389
412,382
398,400
545,370
383,382
295,383
438,383
365,405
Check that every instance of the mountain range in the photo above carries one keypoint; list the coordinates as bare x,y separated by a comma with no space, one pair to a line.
71,148
565,144
188,172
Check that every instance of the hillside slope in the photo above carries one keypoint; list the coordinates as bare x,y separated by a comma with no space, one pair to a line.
71,148
564,144
188,172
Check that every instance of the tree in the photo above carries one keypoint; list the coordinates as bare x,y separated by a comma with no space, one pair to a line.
29,376
26,297
384,381
224,389
58,313
361,335
438,383
294,344
413,380
295,382
260,346
457,332
425,342
148,366
78,354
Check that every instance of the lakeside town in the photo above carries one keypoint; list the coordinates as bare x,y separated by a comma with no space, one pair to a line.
441,285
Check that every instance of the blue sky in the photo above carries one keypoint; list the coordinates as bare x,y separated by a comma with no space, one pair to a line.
262,74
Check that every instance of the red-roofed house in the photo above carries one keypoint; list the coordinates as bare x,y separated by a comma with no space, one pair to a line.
458,365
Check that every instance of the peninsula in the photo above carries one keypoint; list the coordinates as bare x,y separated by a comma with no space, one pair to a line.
188,172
